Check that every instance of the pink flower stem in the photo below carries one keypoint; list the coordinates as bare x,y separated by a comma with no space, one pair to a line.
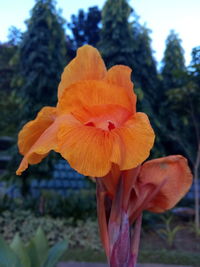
119,238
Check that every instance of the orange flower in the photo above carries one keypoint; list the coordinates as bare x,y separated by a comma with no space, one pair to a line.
96,128
171,175
95,123
122,196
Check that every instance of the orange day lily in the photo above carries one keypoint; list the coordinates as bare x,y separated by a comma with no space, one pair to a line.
96,128
95,123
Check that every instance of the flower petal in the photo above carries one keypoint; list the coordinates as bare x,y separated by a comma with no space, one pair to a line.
120,75
133,142
173,169
87,149
33,129
111,180
91,93
87,65
37,138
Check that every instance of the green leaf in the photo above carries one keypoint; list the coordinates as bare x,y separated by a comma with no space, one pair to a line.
41,244
8,258
18,247
55,253
33,255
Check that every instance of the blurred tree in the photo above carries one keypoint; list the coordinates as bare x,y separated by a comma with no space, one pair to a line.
195,65
7,52
85,29
116,37
40,60
77,27
173,75
11,106
14,36
184,103
92,25
10,103
42,56
144,66
173,62
146,80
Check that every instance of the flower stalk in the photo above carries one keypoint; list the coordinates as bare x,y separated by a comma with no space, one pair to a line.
120,239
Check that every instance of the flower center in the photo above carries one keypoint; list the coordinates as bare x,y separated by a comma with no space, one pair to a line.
106,125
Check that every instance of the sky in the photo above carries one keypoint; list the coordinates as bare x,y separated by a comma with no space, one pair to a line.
159,15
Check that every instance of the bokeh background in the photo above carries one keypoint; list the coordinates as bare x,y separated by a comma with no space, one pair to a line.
160,41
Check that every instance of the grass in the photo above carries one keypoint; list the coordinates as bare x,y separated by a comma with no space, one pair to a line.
146,256
170,257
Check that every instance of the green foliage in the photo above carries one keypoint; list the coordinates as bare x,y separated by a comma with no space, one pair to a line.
144,65
32,253
195,66
173,62
7,52
164,256
55,254
184,109
40,60
184,103
169,232
173,74
18,247
78,205
150,219
85,27
83,233
14,36
40,246
146,79
11,106
116,36
35,254
42,55
7,256
194,229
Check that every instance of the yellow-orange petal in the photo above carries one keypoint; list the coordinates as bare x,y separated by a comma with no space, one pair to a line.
87,149
120,75
132,142
33,129
37,138
92,93
175,174
87,65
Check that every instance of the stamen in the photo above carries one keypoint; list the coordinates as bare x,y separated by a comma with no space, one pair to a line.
90,123
111,126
